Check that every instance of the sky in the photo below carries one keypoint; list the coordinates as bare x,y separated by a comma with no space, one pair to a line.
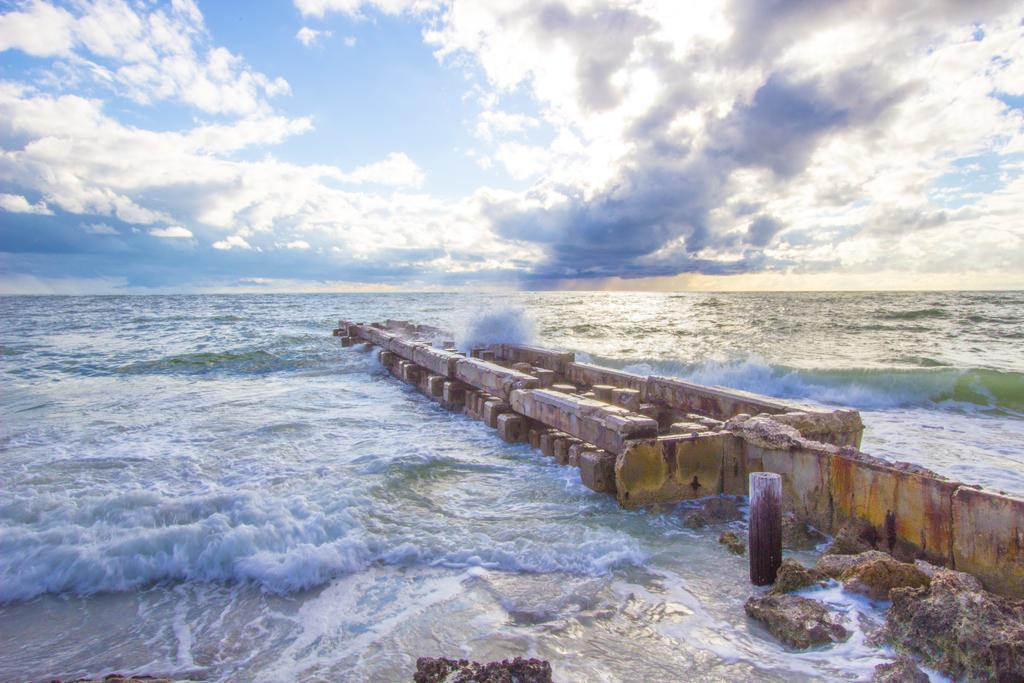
340,145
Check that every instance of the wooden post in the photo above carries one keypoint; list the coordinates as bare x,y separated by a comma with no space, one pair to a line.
765,528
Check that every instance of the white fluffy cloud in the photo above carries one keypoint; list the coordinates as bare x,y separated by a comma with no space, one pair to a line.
311,36
171,231
15,203
145,53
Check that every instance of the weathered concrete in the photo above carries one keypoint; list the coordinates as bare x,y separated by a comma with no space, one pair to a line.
597,470
620,439
668,469
438,361
988,539
536,356
493,378
511,427
604,426
590,375
909,507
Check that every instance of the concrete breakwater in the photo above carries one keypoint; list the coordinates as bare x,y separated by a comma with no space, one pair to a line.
657,440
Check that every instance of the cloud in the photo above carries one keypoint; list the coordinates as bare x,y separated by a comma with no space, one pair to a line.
232,242
100,229
311,36
396,169
297,244
674,124
173,231
145,53
353,8
15,203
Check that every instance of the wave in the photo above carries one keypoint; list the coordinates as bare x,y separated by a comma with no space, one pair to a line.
867,388
129,541
255,362
506,325
916,314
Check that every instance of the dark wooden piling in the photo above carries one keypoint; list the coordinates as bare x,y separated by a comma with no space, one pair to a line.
765,529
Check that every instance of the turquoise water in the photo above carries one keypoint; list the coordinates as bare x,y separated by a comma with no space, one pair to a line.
209,486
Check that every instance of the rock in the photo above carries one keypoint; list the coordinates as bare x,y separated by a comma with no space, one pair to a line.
797,622
694,519
733,542
966,633
834,566
876,577
715,510
903,670
519,670
793,576
853,540
966,581
118,678
798,535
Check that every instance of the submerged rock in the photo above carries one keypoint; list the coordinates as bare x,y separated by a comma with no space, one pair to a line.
965,632
853,540
834,566
876,577
717,510
797,622
793,576
519,670
798,535
733,542
903,670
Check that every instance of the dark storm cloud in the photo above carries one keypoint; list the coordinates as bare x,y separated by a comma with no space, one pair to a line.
666,191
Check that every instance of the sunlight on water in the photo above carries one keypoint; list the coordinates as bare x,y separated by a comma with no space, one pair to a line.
212,487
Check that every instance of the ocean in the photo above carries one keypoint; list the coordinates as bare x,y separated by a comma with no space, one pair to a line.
210,487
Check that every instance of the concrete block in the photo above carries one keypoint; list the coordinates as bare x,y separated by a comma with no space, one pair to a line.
492,378
909,507
589,375
487,355
534,437
607,427
536,356
410,372
564,388
454,394
402,347
716,402
545,377
988,539
670,469
547,443
562,444
511,427
576,449
603,392
492,408
524,368
627,398
687,428
735,474
438,361
597,470
435,386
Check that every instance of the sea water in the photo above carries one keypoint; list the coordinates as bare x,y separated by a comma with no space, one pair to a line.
210,487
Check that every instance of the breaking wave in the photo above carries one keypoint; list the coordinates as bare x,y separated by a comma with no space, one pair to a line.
501,326
133,540
867,388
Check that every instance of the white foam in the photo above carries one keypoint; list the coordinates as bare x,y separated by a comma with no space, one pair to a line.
497,326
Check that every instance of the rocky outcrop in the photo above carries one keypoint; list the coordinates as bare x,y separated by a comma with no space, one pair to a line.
717,510
903,670
853,540
734,543
876,577
965,632
797,622
834,566
798,535
519,670
793,576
